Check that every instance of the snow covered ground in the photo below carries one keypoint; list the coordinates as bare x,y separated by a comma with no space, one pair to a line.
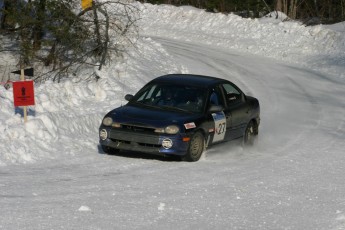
53,175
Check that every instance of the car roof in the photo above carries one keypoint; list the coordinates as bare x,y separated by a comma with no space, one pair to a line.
189,79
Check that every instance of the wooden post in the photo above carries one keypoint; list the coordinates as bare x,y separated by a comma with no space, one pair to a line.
22,78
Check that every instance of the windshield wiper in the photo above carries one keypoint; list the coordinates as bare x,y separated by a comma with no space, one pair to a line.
175,108
144,104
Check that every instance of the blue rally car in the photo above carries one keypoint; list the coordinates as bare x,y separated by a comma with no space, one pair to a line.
181,114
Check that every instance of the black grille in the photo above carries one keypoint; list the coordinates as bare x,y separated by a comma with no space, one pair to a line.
149,145
130,136
137,129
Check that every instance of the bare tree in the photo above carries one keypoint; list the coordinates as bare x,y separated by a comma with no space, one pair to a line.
54,34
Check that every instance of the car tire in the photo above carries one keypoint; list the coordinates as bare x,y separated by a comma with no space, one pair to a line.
109,150
250,134
196,147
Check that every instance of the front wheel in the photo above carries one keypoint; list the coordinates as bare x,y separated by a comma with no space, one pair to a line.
196,147
109,150
250,134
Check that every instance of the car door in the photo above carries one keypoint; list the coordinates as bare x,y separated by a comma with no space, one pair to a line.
236,110
219,118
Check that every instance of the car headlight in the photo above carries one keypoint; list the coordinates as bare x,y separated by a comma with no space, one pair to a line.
103,134
171,129
107,121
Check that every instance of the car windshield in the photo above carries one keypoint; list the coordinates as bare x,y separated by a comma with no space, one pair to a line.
176,97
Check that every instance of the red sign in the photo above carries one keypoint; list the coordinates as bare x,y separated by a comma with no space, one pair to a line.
23,93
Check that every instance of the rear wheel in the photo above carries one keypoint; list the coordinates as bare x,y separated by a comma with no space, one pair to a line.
250,134
196,147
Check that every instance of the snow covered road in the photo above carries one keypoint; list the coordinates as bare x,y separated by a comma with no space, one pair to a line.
296,102
292,179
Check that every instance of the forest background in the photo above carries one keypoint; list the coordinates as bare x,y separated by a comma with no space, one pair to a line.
309,12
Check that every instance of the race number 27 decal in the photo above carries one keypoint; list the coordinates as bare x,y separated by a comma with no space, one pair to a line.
219,126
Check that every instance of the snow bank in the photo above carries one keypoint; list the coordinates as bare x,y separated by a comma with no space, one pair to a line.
68,114
317,47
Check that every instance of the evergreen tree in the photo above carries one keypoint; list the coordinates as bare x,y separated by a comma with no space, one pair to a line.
325,10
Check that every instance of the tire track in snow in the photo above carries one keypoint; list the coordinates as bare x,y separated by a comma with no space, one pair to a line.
295,123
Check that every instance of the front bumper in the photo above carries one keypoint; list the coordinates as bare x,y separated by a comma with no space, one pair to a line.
144,142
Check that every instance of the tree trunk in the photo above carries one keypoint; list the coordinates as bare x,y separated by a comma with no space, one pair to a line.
2,16
106,41
291,8
7,10
51,56
97,30
38,28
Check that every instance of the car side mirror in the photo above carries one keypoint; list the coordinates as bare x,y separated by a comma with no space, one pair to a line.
244,98
129,97
215,108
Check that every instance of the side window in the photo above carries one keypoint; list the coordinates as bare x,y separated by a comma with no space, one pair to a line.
216,97
232,95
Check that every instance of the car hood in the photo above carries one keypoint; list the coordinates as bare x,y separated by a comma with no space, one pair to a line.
130,114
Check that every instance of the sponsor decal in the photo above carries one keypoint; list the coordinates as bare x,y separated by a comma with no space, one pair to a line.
219,126
190,125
